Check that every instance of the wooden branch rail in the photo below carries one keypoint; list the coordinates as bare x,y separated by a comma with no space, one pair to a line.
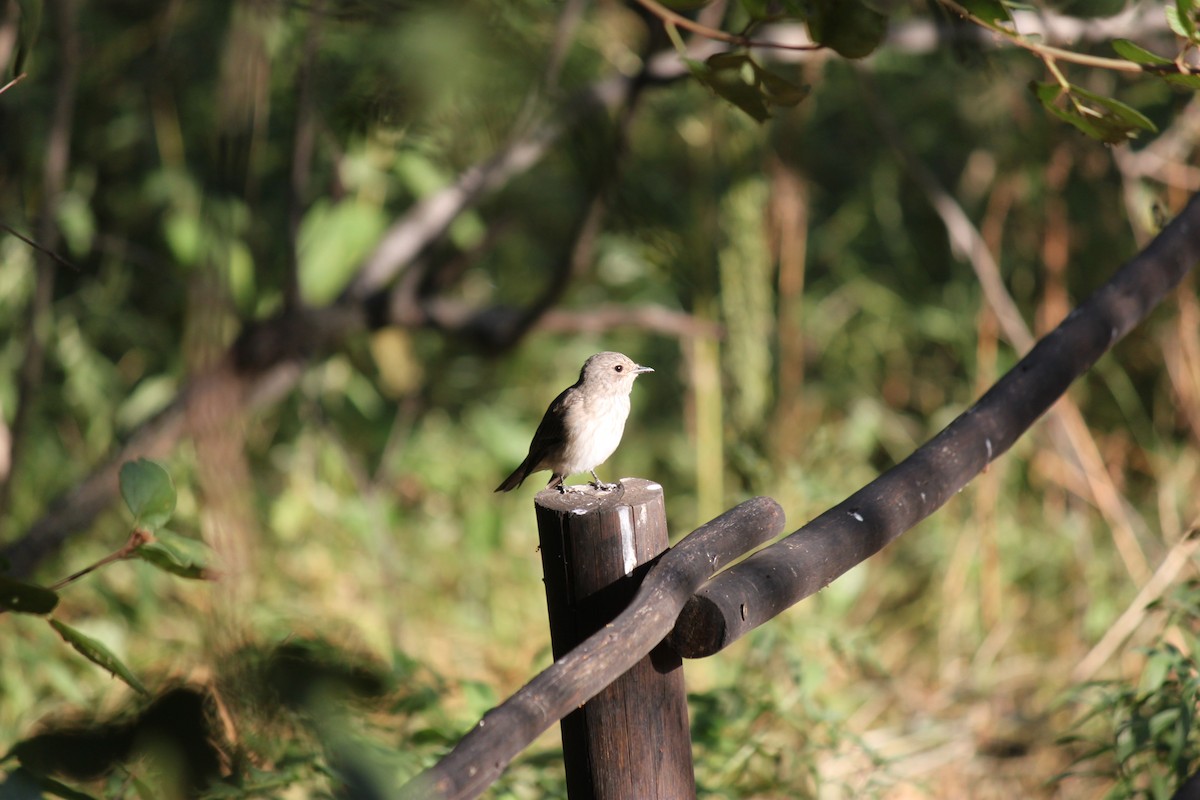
480,756
752,592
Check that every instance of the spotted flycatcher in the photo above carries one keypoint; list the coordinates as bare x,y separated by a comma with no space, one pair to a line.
583,425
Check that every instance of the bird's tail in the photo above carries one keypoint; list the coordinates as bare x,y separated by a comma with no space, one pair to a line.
516,479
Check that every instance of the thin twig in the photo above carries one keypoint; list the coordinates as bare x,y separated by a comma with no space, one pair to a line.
1133,616
137,538
669,17
1049,53
12,83
43,250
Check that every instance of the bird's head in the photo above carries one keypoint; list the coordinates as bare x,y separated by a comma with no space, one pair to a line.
613,372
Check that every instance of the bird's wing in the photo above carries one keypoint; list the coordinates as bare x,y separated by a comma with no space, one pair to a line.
552,430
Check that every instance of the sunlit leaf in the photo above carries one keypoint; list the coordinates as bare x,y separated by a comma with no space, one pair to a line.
182,231
169,553
77,222
97,653
1179,18
148,491
1158,666
26,598
334,238
1136,53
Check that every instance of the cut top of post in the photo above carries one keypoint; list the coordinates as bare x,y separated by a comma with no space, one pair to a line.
586,499
592,539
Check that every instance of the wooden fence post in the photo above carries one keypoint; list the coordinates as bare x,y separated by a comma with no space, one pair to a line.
632,741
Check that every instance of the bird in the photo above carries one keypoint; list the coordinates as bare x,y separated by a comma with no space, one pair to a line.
584,424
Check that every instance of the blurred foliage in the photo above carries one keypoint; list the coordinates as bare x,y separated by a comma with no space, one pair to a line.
1144,735
375,598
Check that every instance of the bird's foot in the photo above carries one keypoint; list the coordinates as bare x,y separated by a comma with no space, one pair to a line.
600,485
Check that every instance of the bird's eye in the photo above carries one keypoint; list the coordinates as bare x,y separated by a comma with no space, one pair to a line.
619,368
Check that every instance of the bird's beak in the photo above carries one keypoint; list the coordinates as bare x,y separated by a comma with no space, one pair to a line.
642,369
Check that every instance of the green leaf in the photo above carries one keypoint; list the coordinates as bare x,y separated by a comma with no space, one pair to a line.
1117,109
57,789
1179,19
1137,54
758,9
1158,666
990,11
27,33
1187,81
730,60
148,491
741,94
184,236
847,27
143,790
780,91
25,598
1187,14
738,79
25,784
77,221
1112,122
1164,721
169,553
98,654
333,240
1088,126
1080,9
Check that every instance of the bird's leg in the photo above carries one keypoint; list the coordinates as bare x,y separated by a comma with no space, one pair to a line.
601,485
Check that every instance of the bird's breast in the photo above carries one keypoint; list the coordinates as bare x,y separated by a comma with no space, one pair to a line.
594,430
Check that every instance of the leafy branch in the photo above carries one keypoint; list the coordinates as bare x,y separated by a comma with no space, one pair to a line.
672,20
1103,118
150,496
856,29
